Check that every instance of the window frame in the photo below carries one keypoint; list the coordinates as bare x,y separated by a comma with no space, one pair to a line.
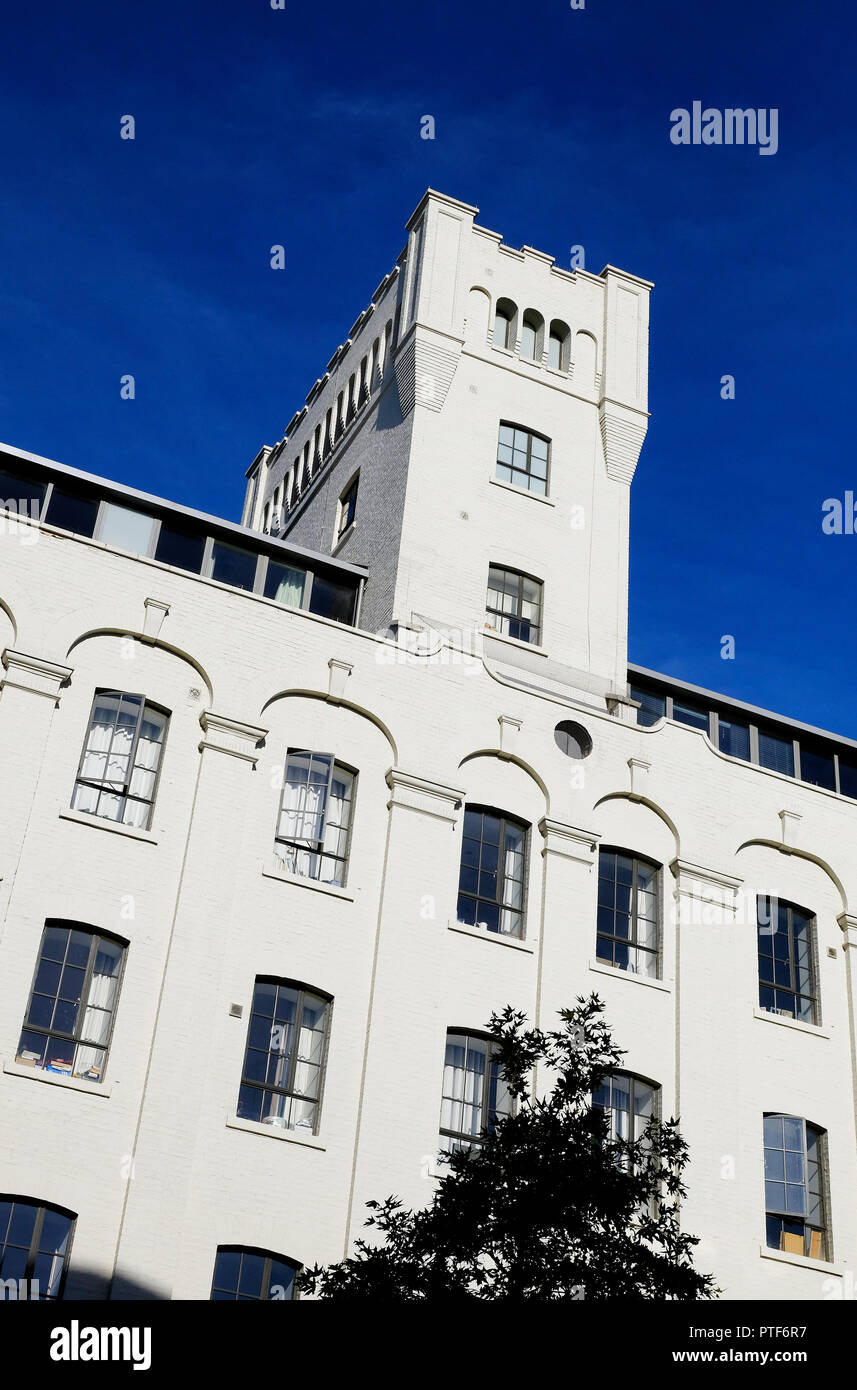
772,1214
76,1039
477,808
631,941
495,629
268,1256
791,989
320,853
525,473
103,784
41,1208
459,1139
347,498
288,1091
635,1079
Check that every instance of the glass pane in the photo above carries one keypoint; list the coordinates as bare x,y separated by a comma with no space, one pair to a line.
817,767
284,584
848,778
233,566
127,529
776,753
652,706
330,599
734,738
17,493
184,549
694,715
72,512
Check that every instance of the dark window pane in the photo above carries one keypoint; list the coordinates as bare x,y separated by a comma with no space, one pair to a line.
233,566
776,753
817,767
18,493
652,706
848,778
184,549
330,599
72,512
694,715
734,738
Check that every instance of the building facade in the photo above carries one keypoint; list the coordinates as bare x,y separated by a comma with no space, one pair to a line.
292,806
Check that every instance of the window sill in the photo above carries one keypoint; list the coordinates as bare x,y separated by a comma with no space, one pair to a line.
617,974
114,827
340,540
795,1023
513,641
522,491
499,940
802,1261
68,1083
299,881
288,1136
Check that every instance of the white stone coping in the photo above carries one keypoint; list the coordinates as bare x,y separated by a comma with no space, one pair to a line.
803,1261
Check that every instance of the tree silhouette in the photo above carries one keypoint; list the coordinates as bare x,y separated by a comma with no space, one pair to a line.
548,1206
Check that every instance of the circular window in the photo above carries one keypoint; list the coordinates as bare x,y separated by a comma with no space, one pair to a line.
573,739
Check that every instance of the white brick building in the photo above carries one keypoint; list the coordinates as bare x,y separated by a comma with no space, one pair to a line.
423,635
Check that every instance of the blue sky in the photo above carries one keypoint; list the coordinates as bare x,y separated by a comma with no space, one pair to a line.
301,127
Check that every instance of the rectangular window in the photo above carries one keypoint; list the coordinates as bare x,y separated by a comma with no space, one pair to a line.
72,511
232,565
776,753
794,1187
522,459
817,767
694,715
315,817
474,1094
119,765
126,528
652,705
23,495
628,928
629,1102
787,967
848,778
330,599
492,875
285,585
69,1016
184,549
347,509
284,1058
514,604
734,738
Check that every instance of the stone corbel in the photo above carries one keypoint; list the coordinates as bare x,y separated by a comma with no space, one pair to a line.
231,736
418,794
569,841
34,674
339,673
153,620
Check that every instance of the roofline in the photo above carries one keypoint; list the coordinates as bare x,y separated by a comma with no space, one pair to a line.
717,698
207,518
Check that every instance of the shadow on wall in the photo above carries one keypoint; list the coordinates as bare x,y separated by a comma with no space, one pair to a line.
85,1286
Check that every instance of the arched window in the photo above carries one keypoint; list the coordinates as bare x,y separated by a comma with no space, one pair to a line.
795,1206
522,458
559,342
629,1102
364,381
628,934
244,1274
340,414
35,1242
505,324
351,410
514,604
69,1019
532,336
474,1094
492,878
118,770
315,817
281,1081
328,433
316,449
